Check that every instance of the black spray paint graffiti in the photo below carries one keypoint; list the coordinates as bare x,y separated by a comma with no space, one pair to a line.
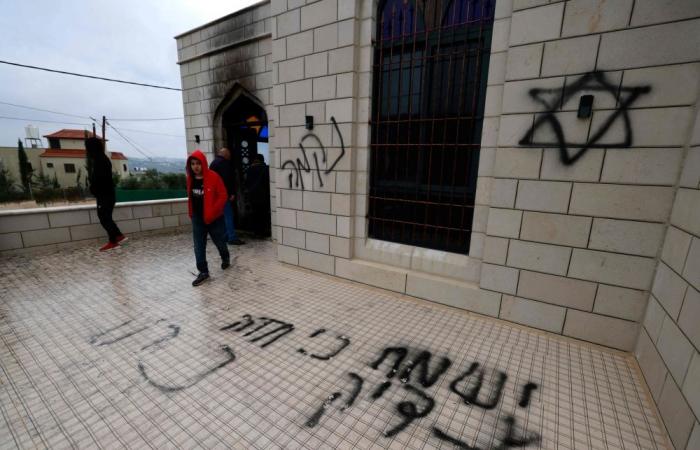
344,342
261,329
110,336
274,334
595,82
230,357
473,393
297,166
100,340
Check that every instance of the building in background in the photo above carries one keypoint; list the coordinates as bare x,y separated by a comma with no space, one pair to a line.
9,160
65,159
531,160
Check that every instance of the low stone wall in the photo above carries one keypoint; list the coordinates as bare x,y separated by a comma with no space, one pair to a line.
40,227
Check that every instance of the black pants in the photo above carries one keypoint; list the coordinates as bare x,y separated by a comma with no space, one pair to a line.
105,207
260,218
217,231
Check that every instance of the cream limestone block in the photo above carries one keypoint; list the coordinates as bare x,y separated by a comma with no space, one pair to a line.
373,274
557,290
531,313
608,331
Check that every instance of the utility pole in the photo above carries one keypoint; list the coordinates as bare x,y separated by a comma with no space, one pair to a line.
104,129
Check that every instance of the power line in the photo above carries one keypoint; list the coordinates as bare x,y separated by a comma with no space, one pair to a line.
133,144
45,110
114,80
151,132
46,121
146,120
88,117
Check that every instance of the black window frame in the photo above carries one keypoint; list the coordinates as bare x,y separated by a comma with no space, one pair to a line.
424,164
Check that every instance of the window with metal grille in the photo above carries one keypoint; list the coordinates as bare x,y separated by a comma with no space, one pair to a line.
430,71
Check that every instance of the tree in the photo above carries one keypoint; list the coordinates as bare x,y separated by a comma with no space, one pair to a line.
25,169
8,191
6,183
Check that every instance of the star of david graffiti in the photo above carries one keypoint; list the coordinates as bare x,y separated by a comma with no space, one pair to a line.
596,82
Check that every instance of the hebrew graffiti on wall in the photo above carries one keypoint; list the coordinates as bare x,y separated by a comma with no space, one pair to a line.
592,82
304,164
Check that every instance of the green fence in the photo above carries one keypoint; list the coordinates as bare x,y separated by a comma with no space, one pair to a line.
135,195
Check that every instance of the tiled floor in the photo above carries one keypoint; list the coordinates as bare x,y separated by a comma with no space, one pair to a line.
119,350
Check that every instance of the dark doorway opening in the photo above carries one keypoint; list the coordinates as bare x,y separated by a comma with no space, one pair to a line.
244,123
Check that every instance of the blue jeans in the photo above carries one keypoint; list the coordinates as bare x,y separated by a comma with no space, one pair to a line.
228,218
217,231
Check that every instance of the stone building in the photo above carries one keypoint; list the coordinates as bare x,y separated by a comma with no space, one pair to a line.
531,160
9,160
65,159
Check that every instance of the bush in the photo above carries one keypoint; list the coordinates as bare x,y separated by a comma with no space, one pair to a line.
9,192
129,183
48,194
152,179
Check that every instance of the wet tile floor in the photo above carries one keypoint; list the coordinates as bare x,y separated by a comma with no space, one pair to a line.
120,351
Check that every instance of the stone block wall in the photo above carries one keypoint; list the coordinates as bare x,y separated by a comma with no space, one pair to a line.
213,58
669,341
218,61
572,242
33,229
315,60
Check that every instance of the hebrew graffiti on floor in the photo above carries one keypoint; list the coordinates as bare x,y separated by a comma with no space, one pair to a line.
344,342
276,333
263,331
591,82
230,357
473,386
415,373
303,163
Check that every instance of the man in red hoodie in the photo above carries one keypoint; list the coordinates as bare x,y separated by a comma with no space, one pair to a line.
207,198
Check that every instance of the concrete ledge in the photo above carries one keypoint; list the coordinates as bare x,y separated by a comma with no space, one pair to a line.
27,229
458,294
422,260
374,274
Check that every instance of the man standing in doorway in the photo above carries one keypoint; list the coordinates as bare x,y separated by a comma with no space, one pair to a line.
258,186
223,166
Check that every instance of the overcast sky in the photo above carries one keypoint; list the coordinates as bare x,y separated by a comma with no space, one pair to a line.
126,39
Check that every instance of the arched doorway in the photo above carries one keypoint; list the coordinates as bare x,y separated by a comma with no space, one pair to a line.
242,127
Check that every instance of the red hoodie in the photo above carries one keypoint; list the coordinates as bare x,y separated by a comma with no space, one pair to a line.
215,196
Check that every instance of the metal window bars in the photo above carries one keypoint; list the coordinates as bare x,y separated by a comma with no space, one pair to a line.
430,72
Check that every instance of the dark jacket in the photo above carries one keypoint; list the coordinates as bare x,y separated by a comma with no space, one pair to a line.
258,183
100,177
223,167
215,197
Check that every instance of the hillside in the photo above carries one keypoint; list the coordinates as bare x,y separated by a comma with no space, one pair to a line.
161,164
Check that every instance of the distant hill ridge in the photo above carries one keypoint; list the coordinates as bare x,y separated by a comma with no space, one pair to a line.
161,164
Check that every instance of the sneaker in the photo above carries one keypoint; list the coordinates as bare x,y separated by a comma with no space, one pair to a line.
201,278
109,246
235,242
225,265
121,238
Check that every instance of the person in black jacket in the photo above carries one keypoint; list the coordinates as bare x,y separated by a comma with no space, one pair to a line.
222,165
102,187
258,187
